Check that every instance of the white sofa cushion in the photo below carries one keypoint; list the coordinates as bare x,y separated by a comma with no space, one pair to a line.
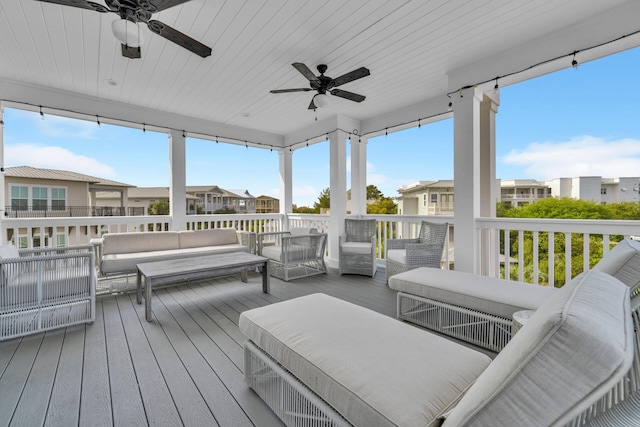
623,263
574,348
294,252
303,231
123,243
373,369
200,238
485,294
359,248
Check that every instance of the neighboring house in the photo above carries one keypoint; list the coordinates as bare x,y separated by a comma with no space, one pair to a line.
436,197
35,192
240,201
267,204
141,197
426,198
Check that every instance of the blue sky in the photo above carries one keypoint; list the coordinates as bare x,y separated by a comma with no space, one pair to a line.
569,123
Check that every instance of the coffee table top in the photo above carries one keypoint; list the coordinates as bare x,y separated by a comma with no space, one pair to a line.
200,263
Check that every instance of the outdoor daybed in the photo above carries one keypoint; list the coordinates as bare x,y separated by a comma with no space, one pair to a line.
119,253
319,358
480,309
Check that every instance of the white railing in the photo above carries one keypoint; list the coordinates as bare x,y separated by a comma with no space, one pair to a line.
535,250
530,250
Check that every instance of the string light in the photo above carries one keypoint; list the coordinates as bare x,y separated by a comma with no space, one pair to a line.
41,113
419,125
144,127
216,139
385,132
184,134
496,87
574,63
97,120
450,103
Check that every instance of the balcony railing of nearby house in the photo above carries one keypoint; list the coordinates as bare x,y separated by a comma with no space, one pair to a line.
530,250
525,196
71,211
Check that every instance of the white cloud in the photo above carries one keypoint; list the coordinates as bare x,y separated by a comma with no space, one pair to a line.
50,157
63,127
305,195
580,156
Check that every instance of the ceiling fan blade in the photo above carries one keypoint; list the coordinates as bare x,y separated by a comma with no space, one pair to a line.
179,38
305,71
300,89
130,52
348,95
312,106
349,77
82,4
158,5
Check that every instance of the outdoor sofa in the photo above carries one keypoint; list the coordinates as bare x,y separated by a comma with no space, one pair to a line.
480,309
324,361
119,253
45,288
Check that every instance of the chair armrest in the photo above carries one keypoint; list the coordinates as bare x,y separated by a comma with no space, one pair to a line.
399,243
248,239
270,238
423,255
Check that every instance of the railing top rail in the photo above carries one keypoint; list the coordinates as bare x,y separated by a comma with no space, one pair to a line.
593,226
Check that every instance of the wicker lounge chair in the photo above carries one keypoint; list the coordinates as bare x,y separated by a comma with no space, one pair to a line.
45,288
425,251
295,253
358,247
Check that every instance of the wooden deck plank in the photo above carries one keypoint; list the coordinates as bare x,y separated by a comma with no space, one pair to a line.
125,394
64,405
15,376
219,352
95,400
187,398
7,350
32,408
155,393
203,360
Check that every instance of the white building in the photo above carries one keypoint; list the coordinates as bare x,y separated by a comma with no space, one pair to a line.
436,197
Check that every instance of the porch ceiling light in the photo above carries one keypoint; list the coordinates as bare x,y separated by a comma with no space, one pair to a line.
322,100
128,33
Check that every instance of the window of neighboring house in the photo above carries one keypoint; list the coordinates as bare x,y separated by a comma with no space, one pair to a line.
434,198
424,200
39,198
603,190
61,240
19,198
58,199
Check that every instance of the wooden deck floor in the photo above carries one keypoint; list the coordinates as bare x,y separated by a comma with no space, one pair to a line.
184,368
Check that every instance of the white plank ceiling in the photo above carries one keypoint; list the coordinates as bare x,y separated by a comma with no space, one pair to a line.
414,48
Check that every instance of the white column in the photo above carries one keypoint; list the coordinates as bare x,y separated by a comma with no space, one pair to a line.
338,188
177,180
286,184
358,175
3,201
466,150
489,189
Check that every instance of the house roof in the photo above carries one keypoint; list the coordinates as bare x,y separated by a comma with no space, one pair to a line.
420,185
59,175
66,59
142,193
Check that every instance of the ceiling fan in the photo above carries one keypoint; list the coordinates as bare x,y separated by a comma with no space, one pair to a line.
323,84
132,12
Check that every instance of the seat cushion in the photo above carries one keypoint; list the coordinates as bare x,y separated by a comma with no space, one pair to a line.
373,369
574,348
397,255
200,238
623,263
123,243
485,294
294,253
359,248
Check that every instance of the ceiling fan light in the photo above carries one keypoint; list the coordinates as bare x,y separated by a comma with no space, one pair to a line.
127,32
322,100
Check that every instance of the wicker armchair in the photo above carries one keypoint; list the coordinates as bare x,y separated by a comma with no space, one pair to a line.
425,251
45,288
294,254
357,250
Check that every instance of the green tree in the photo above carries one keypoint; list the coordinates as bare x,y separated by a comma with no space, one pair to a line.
373,193
161,207
382,206
304,210
324,201
225,211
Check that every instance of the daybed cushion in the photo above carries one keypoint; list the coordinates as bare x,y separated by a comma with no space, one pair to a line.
374,370
200,238
574,348
123,243
485,294
623,263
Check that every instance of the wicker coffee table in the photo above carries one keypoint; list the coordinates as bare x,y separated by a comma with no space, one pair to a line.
171,271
